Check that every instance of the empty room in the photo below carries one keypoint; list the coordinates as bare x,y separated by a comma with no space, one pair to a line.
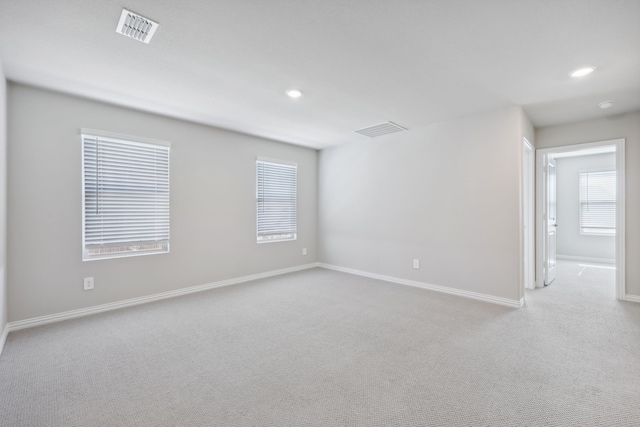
331,213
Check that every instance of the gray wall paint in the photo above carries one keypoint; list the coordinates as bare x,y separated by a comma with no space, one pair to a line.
622,126
212,206
3,202
447,194
570,242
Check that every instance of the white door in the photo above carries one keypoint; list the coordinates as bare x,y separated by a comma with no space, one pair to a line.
551,222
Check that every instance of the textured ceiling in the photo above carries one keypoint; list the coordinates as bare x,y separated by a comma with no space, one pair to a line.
228,63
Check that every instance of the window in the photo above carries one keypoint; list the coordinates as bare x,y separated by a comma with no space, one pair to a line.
276,188
598,202
125,197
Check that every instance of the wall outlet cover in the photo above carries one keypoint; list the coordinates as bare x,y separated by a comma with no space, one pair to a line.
88,283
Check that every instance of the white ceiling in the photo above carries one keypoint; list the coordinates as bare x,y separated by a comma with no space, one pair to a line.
227,63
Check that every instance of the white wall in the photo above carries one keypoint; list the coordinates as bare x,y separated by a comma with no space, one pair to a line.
570,242
447,194
212,206
3,206
622,126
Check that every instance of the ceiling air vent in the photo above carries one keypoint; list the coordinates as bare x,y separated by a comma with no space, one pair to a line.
379,130
136,26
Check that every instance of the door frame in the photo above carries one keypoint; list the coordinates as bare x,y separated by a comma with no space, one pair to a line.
528,215
550,220
542,200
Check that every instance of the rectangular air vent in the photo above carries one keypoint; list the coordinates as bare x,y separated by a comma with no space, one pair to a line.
379,130
136,26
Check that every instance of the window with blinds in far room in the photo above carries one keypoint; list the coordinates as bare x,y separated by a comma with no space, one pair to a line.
125,197
276,194
598,202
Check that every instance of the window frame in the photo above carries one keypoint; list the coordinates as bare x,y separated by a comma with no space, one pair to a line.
596,231
133,245
284,237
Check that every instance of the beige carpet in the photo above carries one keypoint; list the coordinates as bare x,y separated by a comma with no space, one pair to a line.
322,348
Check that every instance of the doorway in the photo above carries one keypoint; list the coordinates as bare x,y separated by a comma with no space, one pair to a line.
591,221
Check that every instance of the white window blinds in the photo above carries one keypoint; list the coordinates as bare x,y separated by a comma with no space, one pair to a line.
276,191
125,197
598,202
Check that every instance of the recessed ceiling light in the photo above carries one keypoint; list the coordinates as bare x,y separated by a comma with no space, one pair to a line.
581,72
294,93
605,104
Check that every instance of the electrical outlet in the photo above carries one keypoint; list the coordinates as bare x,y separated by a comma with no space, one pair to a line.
304,251
416,263
88,283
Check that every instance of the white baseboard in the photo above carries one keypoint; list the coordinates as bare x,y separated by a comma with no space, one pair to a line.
632,298
43,320
586,259
3,338
437,288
